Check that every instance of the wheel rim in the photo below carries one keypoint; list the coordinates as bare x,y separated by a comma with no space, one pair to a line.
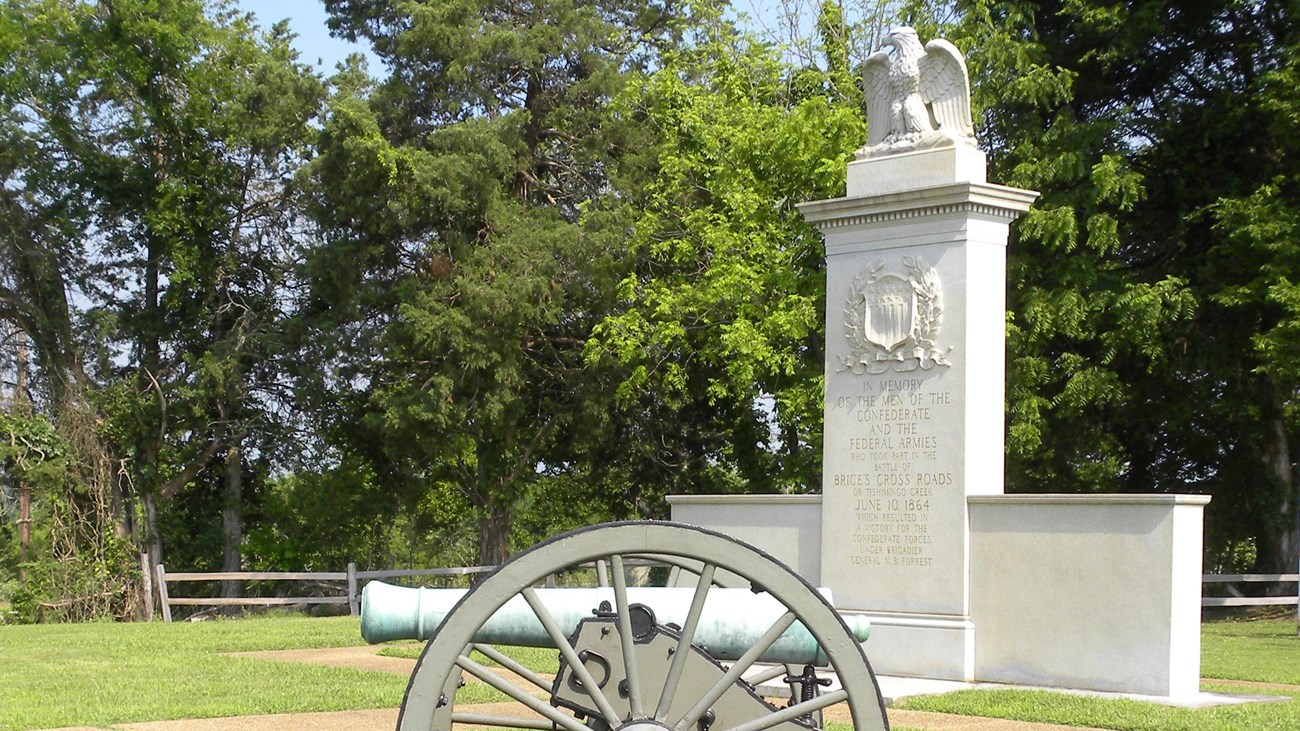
446,655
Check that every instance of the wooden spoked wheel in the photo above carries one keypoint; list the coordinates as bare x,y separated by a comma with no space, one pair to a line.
646,698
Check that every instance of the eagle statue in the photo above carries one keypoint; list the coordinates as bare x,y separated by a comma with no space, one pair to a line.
918,98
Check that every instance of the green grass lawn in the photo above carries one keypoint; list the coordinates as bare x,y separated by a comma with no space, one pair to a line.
102,674
1070,710
1266,651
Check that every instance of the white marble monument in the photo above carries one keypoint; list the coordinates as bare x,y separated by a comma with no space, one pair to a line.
915,311
915,531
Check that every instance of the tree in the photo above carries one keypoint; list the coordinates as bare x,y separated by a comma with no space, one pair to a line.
1252,267
151,147
720,319
453,191
1148,285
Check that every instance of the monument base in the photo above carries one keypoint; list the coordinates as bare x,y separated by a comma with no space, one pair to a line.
1101,592
913,170
1085,592
921,646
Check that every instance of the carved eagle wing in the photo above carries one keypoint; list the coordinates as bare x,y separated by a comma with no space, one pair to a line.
875,85
945,85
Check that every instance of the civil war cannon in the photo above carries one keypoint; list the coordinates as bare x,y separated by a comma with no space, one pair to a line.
633,658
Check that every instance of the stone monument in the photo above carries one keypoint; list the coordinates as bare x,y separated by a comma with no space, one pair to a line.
915,314
959,581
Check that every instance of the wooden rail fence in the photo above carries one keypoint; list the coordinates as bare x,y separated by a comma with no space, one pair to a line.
351,593
353,580
1237,600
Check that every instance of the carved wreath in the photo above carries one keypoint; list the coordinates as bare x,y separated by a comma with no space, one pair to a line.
918,349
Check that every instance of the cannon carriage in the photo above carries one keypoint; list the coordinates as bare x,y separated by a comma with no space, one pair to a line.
688,658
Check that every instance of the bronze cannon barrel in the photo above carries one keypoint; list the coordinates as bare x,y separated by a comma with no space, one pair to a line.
731,622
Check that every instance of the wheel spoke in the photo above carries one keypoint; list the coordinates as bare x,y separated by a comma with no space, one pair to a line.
602,573
626,640
766,675
732,675
793,712
519,694
684,642
513,666
571,656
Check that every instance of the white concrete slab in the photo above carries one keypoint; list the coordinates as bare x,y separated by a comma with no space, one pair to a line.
894,688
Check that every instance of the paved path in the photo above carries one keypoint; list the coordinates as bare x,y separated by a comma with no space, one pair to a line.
360,658
385,719
1252,685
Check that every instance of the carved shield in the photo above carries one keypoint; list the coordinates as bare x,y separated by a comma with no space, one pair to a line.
890,309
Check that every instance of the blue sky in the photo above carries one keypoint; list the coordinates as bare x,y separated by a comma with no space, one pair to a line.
307,19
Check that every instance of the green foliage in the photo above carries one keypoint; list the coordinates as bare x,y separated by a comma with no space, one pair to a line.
72,568
32,452
323,521
455,285
551,268
720,315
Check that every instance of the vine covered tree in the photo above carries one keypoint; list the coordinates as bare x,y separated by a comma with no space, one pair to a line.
149,149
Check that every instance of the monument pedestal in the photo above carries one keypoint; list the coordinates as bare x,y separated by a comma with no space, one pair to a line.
915,313
915,170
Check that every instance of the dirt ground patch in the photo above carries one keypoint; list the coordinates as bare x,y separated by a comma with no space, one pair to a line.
1254,685
380,719
385,719
359,658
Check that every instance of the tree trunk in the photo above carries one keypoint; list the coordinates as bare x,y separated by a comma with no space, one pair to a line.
1277,550
21,405
493,534
152,540
231,521
24,529
150,356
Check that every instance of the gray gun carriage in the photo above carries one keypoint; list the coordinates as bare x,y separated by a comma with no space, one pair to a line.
699,656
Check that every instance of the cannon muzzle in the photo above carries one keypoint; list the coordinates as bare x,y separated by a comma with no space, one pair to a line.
731,622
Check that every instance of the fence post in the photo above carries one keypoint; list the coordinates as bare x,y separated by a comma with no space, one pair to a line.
146,585
354,605
164,602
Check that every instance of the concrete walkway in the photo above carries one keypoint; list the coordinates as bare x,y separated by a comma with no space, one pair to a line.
386,720
371,720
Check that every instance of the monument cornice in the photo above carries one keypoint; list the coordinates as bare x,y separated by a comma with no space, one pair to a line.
774,499
976,199
1089,499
